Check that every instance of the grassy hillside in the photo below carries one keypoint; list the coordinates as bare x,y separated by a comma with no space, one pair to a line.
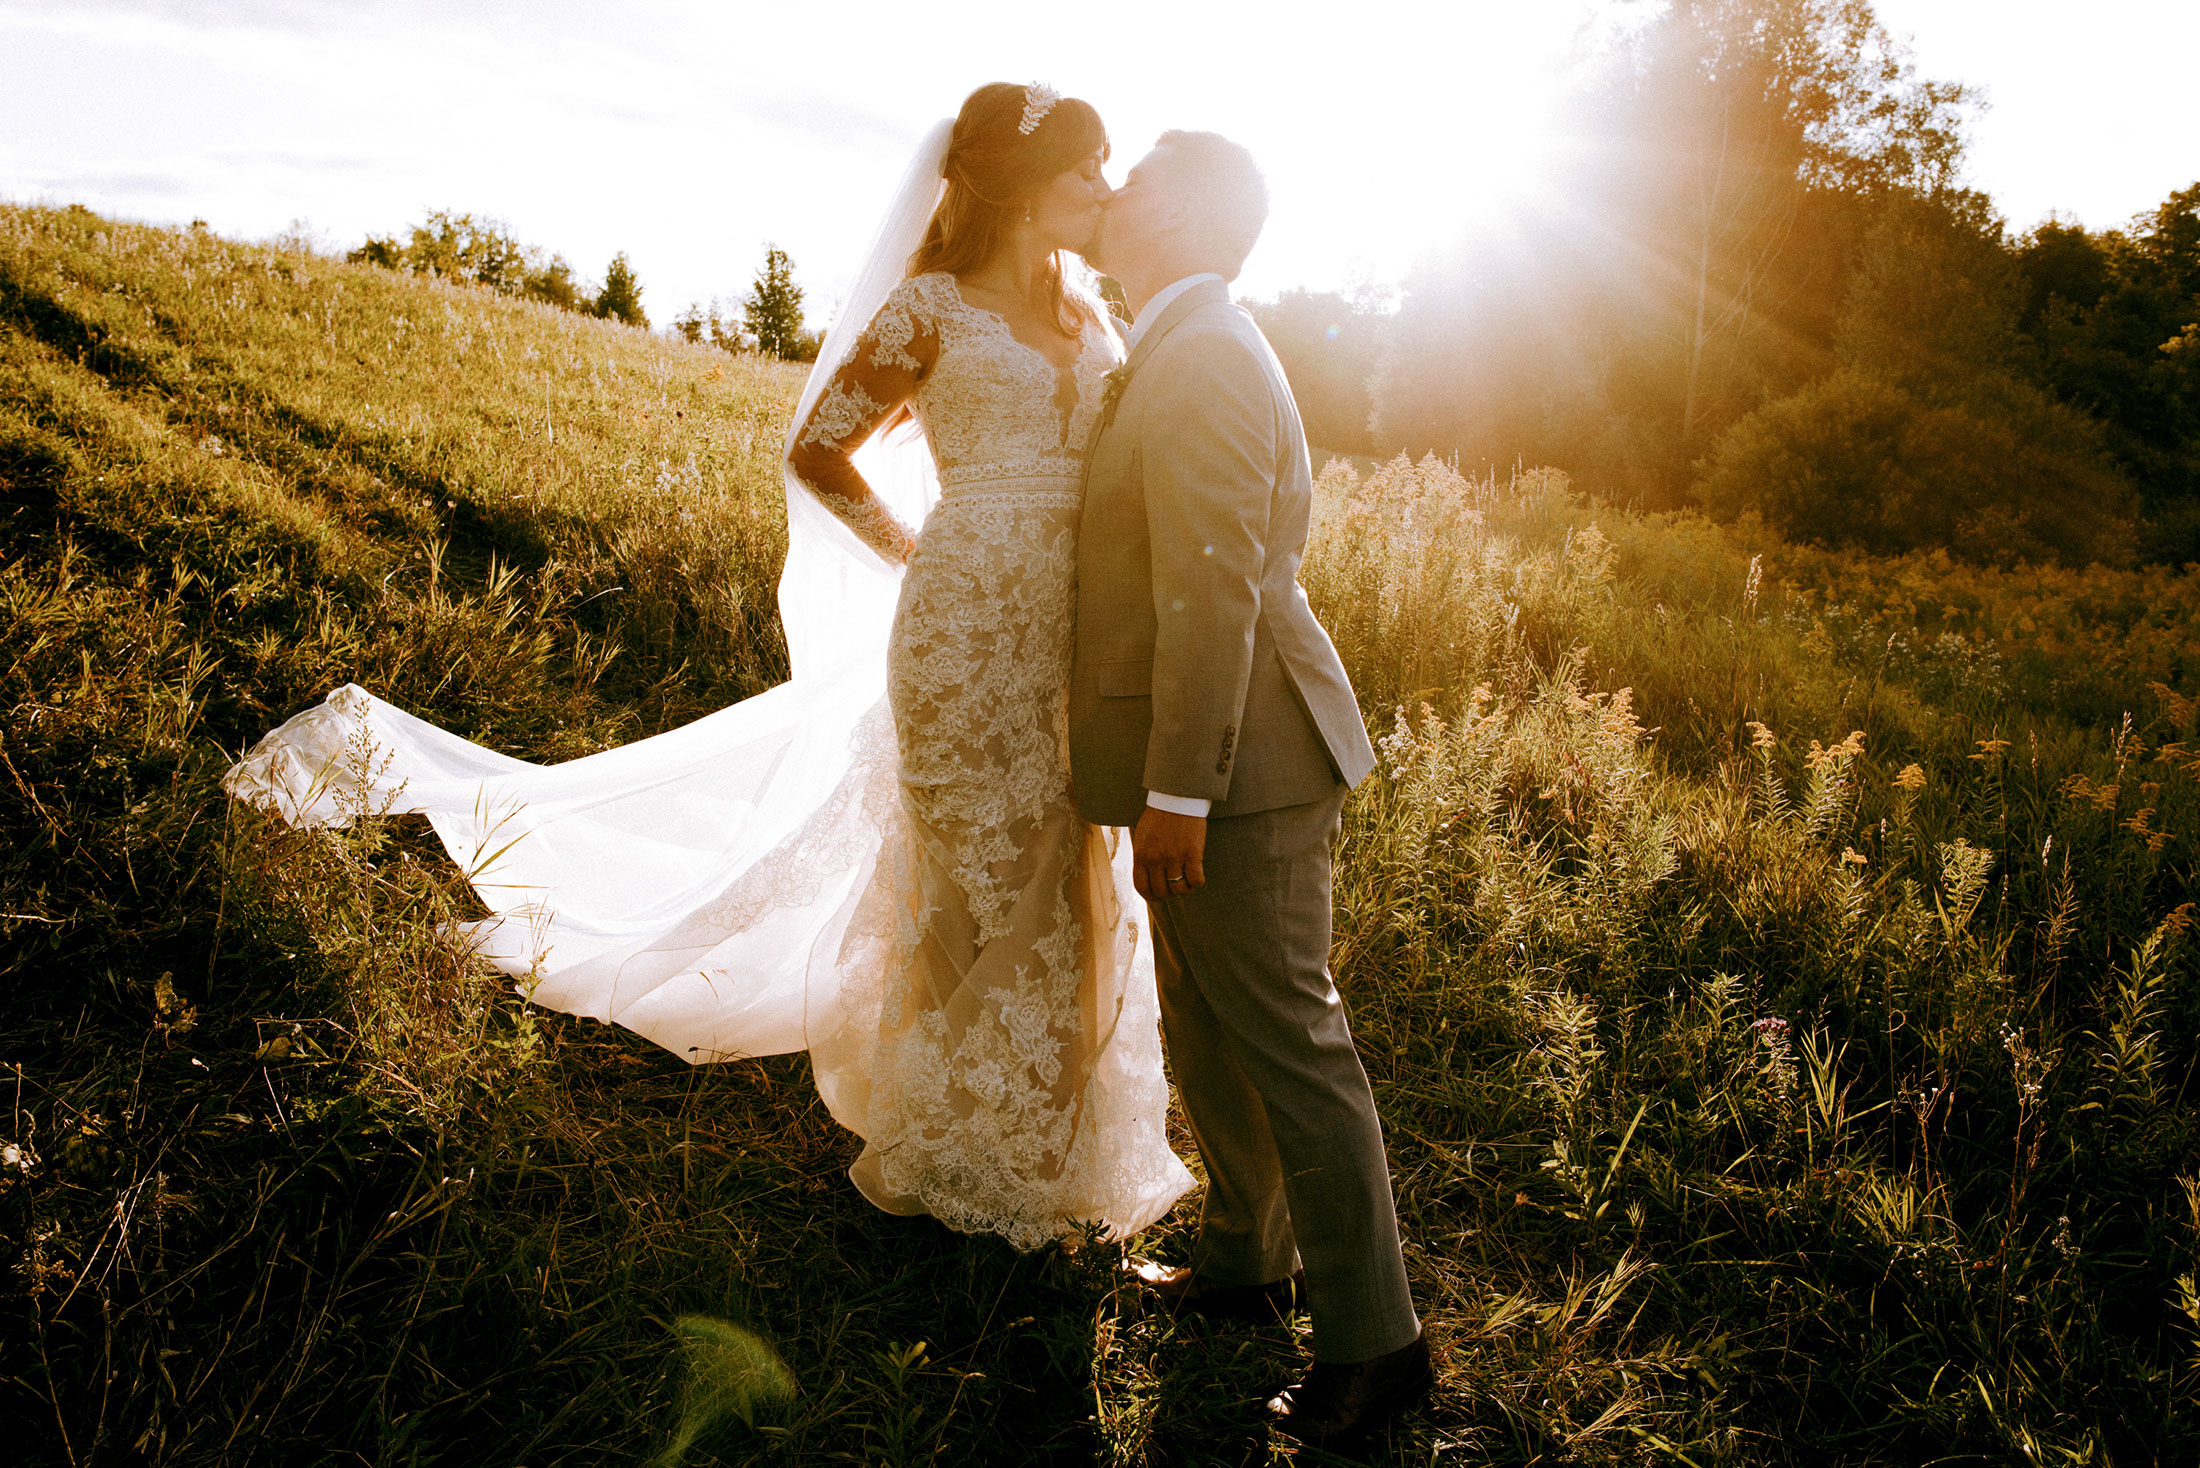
1774,967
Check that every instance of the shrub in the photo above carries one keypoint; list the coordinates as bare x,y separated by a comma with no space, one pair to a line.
1855,460
475,251
457,247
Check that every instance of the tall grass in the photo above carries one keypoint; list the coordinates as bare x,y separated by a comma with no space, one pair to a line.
1774,967
1818,1082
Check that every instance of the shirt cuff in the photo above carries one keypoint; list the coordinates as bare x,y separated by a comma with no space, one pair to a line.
1179,805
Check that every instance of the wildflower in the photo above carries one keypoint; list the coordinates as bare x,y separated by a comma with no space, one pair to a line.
1400,750
1851,857
2180,920
1911,778
1990,748
1751,585
1590,553
2179,709
1618,722
1760,737
1773,1028
1839,754
2136,824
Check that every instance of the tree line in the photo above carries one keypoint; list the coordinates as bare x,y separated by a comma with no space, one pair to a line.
483,252
474,251
771,316
1758,284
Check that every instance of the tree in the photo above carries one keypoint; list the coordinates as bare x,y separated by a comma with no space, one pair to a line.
1688,259
462,248
621,296
2114,319
723,330
772,310
1328,346
698,325
474,251
1933,430
1934,299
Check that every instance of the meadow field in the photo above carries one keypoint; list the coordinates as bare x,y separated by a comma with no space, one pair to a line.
1775,966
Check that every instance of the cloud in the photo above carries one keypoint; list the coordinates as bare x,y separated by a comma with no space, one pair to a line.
320,17
823,119
317,164
121,184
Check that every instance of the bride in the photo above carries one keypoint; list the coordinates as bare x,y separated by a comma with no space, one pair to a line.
878,861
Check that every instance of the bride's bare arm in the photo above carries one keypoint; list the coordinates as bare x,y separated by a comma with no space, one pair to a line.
890,359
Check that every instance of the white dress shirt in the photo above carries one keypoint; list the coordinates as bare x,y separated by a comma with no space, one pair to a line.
1151,311
1183,805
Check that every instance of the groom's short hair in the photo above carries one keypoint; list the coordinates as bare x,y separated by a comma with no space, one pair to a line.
1228,190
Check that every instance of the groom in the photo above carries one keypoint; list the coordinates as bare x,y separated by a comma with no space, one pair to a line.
1209,712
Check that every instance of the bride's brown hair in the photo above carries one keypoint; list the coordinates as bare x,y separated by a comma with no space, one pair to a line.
992,171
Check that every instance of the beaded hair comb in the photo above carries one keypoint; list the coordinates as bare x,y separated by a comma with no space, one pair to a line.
1039,100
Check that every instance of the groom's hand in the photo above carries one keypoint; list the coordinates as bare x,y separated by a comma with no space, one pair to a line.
1166,849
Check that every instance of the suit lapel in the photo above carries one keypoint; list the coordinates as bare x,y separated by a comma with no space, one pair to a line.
1206,293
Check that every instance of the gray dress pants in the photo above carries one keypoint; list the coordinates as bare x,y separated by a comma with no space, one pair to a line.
1277,1098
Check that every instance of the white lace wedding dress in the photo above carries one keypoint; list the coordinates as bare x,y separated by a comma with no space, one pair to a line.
1005,942
899,885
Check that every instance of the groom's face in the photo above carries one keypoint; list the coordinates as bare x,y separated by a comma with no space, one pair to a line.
1140,216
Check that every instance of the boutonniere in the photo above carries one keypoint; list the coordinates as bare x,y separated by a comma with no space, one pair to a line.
1111,392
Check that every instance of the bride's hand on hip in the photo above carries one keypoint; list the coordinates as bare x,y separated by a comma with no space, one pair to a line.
1166,850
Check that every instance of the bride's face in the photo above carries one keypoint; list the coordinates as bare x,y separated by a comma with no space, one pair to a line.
1065,213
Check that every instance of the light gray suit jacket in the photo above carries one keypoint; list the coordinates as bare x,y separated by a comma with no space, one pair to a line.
1200,669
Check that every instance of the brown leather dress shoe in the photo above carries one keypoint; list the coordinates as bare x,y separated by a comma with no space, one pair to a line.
1183,1291
1340,1404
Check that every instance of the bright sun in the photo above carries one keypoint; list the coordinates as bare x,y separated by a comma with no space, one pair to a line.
1383,137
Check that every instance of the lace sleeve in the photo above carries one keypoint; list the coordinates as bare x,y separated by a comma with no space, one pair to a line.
881,375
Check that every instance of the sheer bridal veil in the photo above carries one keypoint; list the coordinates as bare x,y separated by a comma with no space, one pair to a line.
694,886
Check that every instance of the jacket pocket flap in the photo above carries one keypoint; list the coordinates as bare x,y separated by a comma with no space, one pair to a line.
1127,678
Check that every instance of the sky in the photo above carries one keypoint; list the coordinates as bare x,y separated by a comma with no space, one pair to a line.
692,133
